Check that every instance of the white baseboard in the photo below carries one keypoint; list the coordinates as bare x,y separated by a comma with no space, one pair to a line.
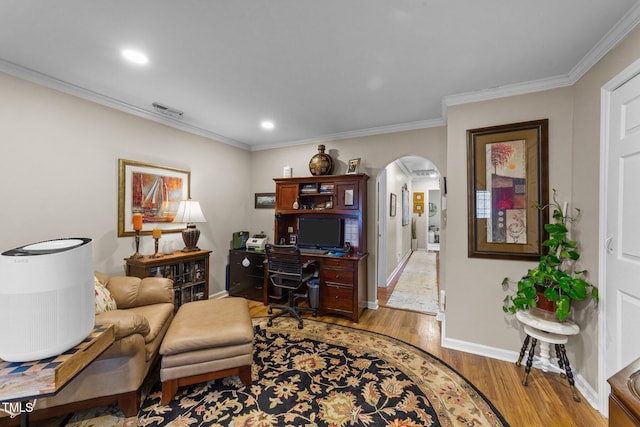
395,271
219,295
582,385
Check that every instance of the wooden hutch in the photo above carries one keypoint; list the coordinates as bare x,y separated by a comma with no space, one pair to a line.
343,278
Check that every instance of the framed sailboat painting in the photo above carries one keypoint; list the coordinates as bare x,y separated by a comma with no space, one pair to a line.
152,191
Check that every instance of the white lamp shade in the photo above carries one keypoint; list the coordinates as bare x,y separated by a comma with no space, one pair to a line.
189,212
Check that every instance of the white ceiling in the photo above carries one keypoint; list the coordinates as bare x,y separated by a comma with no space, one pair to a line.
321,70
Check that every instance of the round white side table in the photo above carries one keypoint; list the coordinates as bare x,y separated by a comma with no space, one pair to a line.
547,330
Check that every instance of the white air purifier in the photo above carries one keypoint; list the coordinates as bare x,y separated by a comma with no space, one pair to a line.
47,298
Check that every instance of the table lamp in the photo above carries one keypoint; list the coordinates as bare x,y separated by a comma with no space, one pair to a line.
189,212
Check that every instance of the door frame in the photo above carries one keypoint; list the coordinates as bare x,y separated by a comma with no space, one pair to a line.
605,125
381,231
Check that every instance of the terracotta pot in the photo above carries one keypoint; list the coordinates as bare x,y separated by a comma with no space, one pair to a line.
543,303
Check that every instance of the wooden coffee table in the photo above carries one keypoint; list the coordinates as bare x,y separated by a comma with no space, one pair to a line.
23,381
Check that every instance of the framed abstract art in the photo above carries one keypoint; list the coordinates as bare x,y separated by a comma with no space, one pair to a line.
507,170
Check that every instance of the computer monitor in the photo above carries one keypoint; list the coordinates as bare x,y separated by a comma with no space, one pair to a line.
319,232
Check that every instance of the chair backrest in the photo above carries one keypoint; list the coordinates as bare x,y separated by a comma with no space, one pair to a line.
284,259
284,265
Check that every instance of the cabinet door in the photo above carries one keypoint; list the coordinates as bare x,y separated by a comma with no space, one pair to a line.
287,195
347,195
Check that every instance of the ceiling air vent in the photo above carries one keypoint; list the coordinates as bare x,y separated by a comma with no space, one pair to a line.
426,172
168,111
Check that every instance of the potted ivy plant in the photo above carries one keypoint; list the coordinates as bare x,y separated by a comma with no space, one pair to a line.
555,277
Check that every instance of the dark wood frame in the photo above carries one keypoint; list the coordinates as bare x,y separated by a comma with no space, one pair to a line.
535,134
261,205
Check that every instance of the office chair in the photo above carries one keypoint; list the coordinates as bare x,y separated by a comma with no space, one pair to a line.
287,272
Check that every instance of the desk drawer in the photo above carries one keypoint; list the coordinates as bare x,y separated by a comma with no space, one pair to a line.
335,275
336,297
338,262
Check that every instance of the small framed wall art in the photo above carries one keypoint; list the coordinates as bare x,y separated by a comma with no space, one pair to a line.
265,200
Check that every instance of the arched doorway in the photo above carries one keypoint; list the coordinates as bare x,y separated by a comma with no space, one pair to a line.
408,213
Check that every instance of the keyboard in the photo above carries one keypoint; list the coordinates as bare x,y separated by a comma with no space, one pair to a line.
313,251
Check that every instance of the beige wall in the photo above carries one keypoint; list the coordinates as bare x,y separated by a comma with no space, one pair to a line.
59,175
473,285
398,236
376,153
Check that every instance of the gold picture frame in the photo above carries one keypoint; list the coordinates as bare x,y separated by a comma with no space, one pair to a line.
152,190
508,179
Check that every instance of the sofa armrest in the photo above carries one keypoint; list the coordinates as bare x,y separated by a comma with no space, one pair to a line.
131,291
124,323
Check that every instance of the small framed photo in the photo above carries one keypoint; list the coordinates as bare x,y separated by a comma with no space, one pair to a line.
354,166
265,200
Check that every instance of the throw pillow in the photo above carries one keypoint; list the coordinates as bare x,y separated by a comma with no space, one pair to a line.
104,299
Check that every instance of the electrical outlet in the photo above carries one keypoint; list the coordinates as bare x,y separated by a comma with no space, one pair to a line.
289,229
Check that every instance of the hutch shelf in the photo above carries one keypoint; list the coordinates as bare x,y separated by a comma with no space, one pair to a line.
188,270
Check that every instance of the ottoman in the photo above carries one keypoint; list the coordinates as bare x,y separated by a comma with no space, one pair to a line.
206,340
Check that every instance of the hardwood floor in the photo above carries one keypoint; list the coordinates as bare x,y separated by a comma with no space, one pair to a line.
546,401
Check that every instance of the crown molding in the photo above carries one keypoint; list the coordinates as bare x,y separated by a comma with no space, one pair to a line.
614,36
504,91
402,127
610,40
80,92
626,24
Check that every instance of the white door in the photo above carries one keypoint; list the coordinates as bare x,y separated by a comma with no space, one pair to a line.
622,232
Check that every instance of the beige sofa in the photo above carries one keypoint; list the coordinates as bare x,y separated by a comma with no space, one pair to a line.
145,310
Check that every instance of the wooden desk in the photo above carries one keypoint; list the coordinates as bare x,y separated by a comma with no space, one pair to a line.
343,284
22,381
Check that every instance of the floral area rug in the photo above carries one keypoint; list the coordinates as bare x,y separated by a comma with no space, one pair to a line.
417,287
329,375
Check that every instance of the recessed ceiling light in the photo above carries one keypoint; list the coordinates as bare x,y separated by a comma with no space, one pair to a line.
135,56
267,124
